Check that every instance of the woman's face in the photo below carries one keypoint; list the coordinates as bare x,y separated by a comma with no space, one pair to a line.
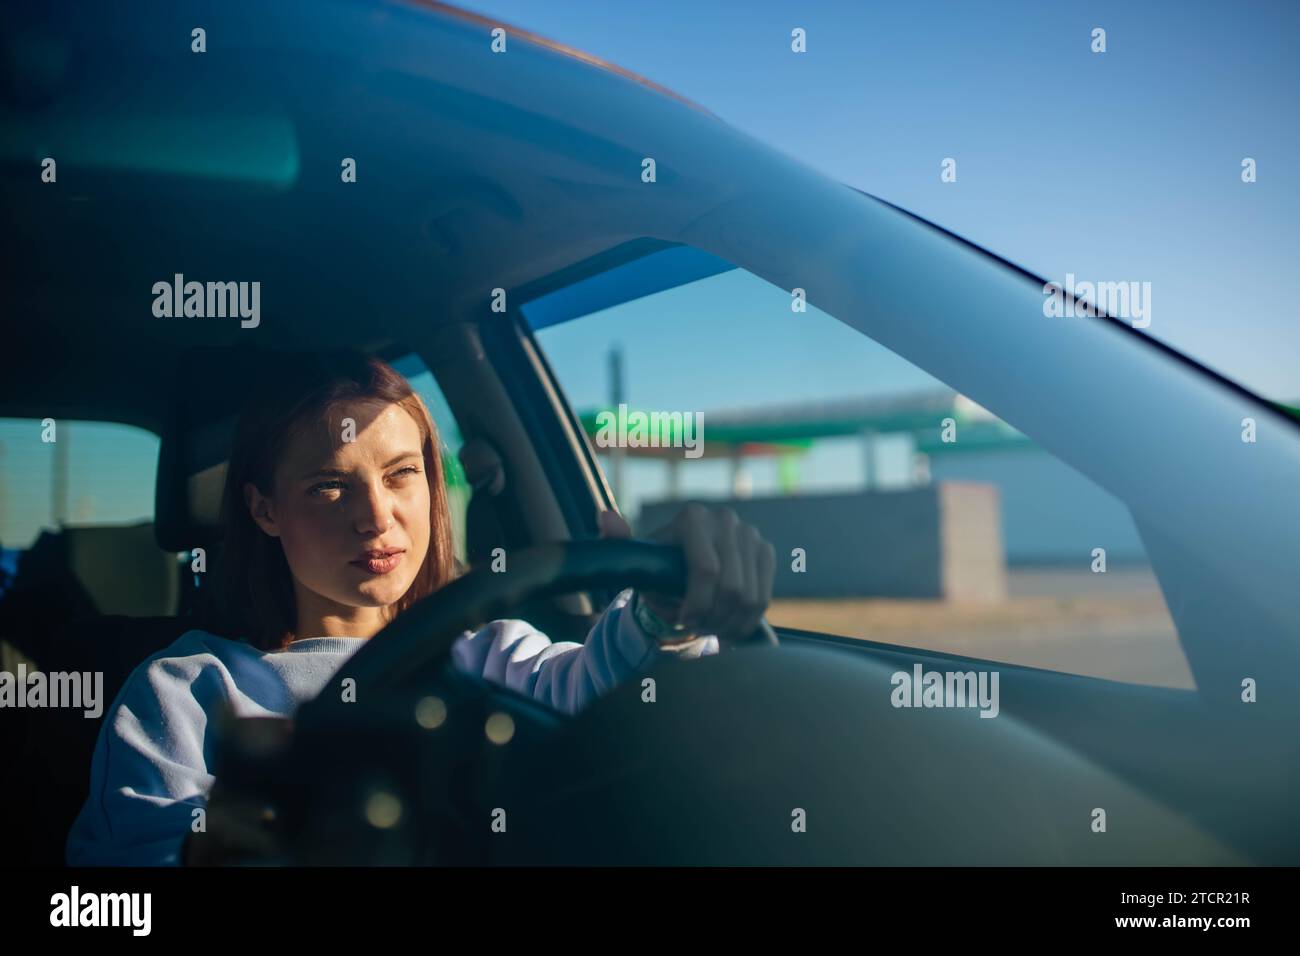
351,509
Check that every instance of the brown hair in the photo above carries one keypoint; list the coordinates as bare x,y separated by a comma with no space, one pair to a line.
258,586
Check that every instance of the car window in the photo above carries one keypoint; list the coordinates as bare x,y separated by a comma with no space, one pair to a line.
414,369
56,472
901,511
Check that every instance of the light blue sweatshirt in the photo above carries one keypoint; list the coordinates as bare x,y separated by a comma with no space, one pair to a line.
150,767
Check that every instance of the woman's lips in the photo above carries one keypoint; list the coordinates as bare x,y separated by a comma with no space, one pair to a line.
380,565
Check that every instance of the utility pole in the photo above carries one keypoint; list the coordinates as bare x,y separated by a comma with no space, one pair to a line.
617,452
870,466
4,488
59,476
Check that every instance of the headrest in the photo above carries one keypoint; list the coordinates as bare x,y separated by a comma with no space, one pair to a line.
122,570
192,462
206,393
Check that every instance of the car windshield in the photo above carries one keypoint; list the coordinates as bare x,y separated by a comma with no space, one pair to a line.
1261,372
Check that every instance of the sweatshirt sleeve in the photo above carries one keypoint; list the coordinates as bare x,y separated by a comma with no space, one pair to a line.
566,675
149,770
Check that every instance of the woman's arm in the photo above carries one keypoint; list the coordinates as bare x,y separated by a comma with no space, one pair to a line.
149,771
729,571
566,675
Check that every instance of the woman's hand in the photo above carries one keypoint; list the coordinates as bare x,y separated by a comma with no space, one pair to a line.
237,832
238,828
729,570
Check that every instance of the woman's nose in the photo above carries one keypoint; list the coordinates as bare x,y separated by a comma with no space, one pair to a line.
376,512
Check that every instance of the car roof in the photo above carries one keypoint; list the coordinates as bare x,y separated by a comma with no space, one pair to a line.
475,171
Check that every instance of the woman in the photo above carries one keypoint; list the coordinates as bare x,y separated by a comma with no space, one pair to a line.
335,520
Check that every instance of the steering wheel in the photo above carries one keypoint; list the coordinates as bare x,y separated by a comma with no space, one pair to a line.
420,640
372,733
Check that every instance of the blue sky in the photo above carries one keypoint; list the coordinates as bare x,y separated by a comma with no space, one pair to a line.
1116,166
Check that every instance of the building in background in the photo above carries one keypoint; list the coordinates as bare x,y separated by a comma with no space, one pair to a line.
975,494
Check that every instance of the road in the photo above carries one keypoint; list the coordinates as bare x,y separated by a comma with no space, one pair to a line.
1113,625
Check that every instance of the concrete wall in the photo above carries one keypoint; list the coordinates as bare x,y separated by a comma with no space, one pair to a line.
941,541
1051,514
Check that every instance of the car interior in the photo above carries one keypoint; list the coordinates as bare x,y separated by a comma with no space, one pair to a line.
106,598
467,192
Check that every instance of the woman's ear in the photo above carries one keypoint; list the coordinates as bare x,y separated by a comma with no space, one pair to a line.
262,509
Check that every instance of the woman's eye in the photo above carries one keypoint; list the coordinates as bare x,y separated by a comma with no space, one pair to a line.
325,489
